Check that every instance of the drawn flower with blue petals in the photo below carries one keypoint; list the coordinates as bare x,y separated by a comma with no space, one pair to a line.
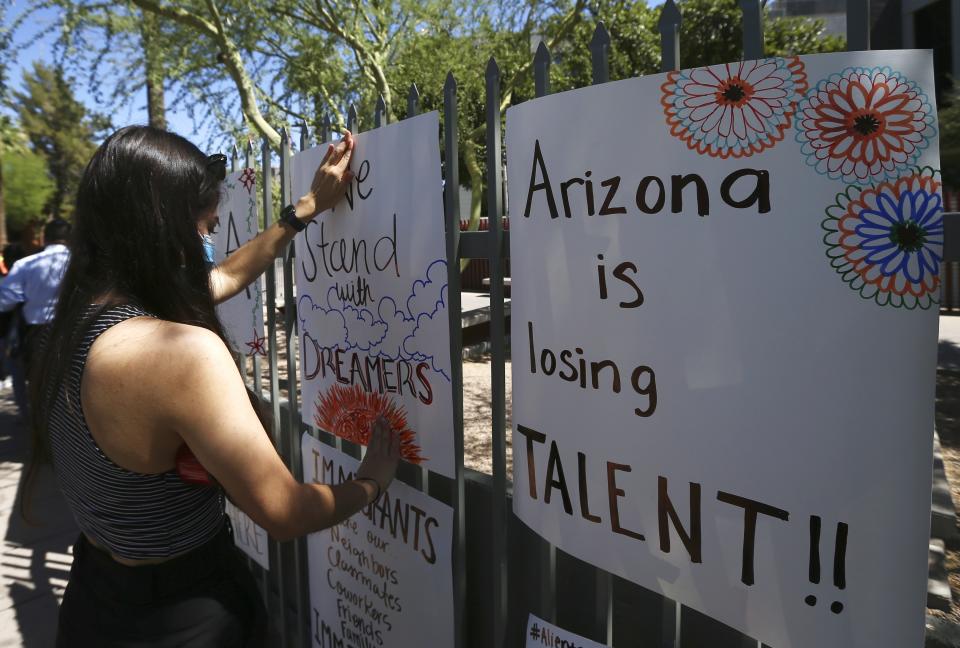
733,109
886,241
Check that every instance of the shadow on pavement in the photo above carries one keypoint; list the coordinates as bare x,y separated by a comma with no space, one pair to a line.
36,555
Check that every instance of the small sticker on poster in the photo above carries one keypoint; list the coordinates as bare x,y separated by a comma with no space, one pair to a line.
541,634
249,537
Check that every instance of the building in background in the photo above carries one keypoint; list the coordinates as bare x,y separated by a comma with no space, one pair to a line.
895,24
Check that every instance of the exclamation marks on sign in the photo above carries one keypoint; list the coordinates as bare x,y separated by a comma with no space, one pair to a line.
839,561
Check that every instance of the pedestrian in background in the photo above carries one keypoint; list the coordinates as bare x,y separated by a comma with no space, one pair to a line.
30,292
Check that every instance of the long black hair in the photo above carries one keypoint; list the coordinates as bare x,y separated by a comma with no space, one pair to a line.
134,241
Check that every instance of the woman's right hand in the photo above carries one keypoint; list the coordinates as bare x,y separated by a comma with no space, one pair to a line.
383,455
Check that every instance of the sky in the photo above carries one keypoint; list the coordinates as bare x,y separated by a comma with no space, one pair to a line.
133,113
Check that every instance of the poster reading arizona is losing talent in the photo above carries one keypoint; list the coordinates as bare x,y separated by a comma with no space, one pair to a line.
241,315
372,296
724,337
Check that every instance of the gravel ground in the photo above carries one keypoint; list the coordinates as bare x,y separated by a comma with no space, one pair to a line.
477,439
948,426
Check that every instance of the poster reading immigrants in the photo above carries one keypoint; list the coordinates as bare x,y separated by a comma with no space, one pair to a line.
382,577
724,326
372,296
241,315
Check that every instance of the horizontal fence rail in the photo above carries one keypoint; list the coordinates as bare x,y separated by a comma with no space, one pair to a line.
501,569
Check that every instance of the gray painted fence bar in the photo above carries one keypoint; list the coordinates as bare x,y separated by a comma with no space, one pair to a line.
499,526
421,475
752,29
451,212
548,552
276,573
352,120
858,25
600,54
669,27
250,163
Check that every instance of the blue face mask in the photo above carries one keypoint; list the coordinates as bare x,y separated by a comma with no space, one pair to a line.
209,250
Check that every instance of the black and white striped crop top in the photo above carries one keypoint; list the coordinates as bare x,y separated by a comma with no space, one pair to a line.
132,515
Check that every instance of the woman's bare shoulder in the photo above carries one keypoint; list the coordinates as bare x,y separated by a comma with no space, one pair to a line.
145,353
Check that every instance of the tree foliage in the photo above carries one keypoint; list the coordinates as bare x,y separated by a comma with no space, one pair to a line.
27,188
60,129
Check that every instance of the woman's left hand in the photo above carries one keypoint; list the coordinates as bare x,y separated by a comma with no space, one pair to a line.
330,180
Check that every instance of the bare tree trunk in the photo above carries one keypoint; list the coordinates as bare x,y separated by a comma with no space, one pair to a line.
156,107
3,210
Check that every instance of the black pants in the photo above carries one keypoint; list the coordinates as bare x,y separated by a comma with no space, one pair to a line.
206,597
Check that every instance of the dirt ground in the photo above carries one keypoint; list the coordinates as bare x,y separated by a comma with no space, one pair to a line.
948,426
477,439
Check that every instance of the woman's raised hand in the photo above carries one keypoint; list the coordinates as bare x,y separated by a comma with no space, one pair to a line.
383,455
330,180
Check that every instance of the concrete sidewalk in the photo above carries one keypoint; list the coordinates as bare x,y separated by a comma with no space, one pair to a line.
35,557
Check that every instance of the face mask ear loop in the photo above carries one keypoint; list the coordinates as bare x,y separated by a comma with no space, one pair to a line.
209,249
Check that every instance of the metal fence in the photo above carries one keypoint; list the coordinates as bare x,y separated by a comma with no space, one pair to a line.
501,570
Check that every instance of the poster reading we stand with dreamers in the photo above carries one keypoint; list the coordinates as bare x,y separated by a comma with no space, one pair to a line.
241,315
383,577
724,325
372,300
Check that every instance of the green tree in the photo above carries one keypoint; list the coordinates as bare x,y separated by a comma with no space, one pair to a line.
27,188
60,129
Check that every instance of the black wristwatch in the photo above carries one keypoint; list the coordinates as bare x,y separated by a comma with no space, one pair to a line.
288,215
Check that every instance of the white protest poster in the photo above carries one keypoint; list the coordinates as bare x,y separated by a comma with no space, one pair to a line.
241,315
383,577
724,326
372,296
249,537
541,634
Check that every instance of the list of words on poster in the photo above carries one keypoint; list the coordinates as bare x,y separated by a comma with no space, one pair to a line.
382,577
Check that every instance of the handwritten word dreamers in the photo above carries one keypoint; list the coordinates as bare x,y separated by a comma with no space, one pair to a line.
373,374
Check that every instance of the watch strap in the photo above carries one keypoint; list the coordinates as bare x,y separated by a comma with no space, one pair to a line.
288,215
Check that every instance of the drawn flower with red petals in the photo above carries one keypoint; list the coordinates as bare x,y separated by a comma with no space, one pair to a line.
248,178
864,124
349,413
734,109
886,241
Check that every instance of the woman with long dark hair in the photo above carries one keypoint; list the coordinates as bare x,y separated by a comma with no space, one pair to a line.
136,371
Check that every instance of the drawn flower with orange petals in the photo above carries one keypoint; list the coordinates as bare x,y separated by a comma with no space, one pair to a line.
349,413
864,124
886,241
734,109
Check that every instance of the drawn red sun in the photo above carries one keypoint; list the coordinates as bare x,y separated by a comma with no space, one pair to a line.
349,412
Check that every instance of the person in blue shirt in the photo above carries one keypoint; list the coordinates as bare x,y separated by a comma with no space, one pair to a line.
34,283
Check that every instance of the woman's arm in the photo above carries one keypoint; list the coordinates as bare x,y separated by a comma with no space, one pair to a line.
209,408
250,261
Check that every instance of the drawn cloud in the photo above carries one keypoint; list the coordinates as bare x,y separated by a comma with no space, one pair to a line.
364,331
426,295
398,325
328,327
430,327
406,331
